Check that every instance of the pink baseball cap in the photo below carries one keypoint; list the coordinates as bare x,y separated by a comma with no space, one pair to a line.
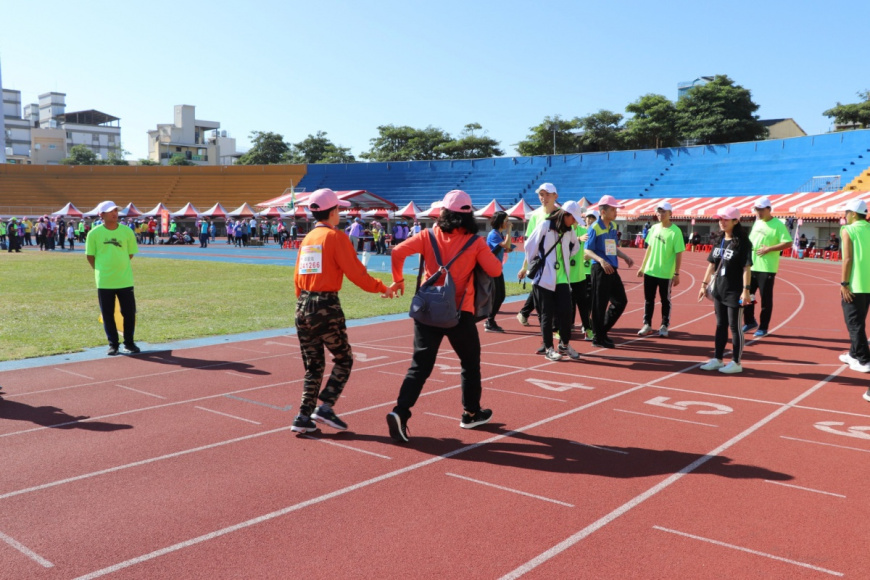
324,199
728,213
609,200
456,200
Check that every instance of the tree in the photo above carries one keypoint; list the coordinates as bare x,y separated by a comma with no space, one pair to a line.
719,112
176,160
318,149
147,162
268,149
81,155
653,125
853,113
117,158
554,135
406,144
470,146
600,131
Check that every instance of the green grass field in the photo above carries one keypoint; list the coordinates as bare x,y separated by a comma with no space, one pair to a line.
48,301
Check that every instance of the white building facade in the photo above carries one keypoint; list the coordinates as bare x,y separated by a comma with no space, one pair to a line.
198,141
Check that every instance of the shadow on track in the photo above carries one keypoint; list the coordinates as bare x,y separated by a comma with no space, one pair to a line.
53,417
166,357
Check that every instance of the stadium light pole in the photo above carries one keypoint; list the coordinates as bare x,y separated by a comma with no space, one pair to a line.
553,127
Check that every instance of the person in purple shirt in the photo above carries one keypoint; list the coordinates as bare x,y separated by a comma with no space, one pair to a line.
355,231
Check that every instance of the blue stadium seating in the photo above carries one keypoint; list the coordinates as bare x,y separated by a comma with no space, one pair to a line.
752,168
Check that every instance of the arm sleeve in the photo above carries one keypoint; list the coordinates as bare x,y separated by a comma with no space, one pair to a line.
346,258
413,245
532,243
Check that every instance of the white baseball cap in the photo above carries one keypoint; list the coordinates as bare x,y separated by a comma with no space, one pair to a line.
857,206
665,206
548,187
594,213
106,207
762,203
573,208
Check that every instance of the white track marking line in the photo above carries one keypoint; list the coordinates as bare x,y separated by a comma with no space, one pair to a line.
825,444
805,488
343,446
141,392
26,551
441,416
403,375
235,374
526,395
339,492
749,551
599,447
242,348
668,418
72,373
227,415
667,482
516,491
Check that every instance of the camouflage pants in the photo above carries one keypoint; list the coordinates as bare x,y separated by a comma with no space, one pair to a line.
319,324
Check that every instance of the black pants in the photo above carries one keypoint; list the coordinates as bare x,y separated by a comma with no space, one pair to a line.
127,300
555,308
427,339
582,303
203,240
498,297
763,283
651,284
728,317
855,314
608,300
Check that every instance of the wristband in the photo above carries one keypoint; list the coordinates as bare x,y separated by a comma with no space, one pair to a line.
844,284
704,283
747,287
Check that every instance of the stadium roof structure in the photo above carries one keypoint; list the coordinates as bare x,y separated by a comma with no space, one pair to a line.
89,117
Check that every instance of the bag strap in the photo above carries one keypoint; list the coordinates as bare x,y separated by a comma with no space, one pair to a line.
437,253
553,247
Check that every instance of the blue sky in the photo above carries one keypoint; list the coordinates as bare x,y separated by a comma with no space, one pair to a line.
347,67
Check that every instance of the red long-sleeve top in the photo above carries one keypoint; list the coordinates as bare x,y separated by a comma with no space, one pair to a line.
461,270
330,252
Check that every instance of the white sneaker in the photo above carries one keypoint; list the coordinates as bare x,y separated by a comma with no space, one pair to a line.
857,366
645,330
847,358
867,395
712,365
567,349
522,319
663,331
731,368
553,355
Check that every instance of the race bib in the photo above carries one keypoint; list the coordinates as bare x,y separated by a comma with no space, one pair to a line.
311,260
610,247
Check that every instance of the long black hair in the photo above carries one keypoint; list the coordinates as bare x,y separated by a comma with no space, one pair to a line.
450,220
557,221
739,236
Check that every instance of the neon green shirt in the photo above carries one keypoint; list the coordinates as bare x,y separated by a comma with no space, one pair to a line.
112,250
663,245
767,233
859,233
582,266
2,229
535,217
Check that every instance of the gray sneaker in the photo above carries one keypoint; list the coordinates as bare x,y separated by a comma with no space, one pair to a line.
522,319
663,331
553,355
645,330
568,350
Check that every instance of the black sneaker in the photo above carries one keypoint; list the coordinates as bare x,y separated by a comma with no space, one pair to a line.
480,418
132,348
113,350
603,343
398,427
330,418
542,349
492,327
303,425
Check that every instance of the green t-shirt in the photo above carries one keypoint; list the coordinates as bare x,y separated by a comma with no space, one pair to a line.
2,229
112,250
535,217
663,245
767,233
582,266
859,234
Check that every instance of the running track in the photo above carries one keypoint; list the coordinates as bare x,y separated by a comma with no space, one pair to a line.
630,463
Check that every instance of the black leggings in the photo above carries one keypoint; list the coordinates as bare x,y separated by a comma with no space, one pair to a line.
498,297
651,284
554,307
763,283
727,316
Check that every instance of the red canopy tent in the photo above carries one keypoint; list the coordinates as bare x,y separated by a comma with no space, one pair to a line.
489,210
380,214
359,198
188,211
69,210
243,211
273,212
156,211
410,211
130,210
353,212
520,210
215,211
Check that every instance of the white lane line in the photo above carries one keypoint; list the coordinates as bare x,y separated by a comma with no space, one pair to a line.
340,492
72,373
826,444
244,349
599,447
240,375
667,482
26,551
227,415
805,488
668,418
526,395
441,416
345,446
516,491
403,375
749,551
140,392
